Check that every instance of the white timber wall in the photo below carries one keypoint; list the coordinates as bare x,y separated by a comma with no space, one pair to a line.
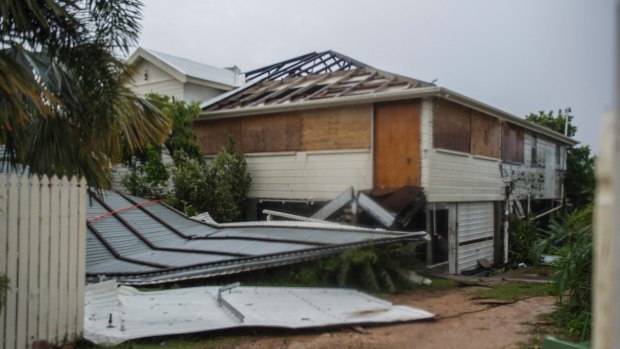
158,82
316,175
462,177
199,93
539,178
449,176
42,244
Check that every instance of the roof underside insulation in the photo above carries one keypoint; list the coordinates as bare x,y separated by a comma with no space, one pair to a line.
136,241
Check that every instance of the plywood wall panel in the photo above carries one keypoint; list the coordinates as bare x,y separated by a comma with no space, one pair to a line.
213,135
270,133
485,135
451,126
512,143
337,128
308,130
397,144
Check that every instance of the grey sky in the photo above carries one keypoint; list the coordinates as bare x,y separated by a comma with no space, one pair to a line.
518,55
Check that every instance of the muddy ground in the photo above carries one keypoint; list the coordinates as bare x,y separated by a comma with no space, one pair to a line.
461,322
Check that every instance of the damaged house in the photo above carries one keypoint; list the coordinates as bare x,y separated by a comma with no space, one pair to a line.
313,125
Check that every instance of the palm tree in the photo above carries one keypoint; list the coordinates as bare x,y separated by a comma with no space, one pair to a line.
63,107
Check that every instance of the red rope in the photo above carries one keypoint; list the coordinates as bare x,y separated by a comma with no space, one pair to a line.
121,209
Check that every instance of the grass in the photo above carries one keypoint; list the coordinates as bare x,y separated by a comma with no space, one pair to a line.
514,291
441,284
545,326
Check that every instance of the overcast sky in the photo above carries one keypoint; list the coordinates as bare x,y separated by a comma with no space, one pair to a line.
521,56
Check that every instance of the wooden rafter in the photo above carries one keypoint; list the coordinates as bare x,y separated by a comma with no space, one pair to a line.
308,64
352,87
315,75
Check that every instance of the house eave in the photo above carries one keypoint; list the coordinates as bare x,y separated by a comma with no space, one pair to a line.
216,85
321,103
502,115
421,92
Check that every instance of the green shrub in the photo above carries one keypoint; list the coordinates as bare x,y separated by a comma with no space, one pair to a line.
523,239
572,241
148,176
230,183
375,269
219,187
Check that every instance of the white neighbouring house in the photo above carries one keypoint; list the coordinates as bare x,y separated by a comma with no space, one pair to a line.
180,78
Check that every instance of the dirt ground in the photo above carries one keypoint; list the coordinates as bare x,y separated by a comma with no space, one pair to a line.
461,322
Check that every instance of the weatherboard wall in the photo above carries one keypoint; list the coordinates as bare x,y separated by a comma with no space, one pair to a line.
309,175
199,93
540,175
455,176
158,81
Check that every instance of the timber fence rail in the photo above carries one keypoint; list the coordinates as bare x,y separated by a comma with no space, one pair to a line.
42,253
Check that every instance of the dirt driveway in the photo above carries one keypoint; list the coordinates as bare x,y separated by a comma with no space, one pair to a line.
462,322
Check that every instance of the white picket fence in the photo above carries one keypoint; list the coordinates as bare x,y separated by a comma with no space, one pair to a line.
42,252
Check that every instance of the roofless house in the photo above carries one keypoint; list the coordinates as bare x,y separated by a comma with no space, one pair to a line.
315,124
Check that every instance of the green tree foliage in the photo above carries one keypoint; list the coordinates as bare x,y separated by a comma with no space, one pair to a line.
553,122
148,174
219,187
572,241
62,100
382,268
181,114
579,183
147,177
523,239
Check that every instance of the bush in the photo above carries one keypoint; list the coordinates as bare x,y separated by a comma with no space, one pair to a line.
523,240
376,269
572,241
148,176
219,187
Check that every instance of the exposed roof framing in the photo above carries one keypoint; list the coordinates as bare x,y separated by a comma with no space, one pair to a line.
316,75
309,64
296,88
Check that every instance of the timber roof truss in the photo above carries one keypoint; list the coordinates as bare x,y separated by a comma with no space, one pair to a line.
313,76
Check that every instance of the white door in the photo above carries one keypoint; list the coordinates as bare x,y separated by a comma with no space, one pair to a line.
475,230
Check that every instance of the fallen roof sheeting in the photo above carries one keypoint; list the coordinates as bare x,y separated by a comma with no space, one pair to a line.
137,241
116,314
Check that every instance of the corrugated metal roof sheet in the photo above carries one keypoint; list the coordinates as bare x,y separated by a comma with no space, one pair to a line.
140,242
198,70
136,314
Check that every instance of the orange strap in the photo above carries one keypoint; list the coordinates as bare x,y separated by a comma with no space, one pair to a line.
121,209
